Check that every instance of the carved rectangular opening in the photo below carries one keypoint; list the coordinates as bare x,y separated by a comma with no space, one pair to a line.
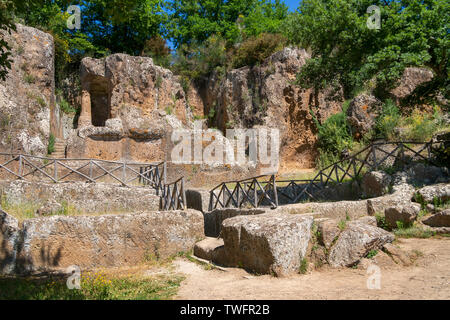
100,106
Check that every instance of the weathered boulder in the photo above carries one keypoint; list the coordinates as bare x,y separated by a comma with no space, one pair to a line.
267,243
402,195
361,114
405,214
56,242
440,192
375,184
215,218
208,248
370,220
440,219
355,242
397,254
328,232
411,79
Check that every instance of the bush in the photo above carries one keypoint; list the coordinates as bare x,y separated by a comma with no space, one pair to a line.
157,49
256,49
387,121
422,125
51,144
198,60
334,136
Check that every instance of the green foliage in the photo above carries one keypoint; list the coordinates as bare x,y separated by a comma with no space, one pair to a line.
193,21
169,110
199,59
381,221
372,253
256,49
342,224
157,49
387,121
412,33
303,266
334,136
6,25
94,286
29,78
413,232
66,107
51,144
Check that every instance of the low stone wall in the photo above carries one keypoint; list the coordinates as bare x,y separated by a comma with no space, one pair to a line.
85,197
57,242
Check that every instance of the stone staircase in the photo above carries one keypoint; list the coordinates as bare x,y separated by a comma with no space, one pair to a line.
60,149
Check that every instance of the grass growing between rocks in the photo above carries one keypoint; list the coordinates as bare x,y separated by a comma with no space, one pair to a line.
93,286
413,231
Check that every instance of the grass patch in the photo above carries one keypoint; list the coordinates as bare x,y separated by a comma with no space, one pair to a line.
94,286
303,266
29,78
372,253
413,232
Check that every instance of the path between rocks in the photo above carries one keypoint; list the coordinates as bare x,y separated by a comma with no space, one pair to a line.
428,278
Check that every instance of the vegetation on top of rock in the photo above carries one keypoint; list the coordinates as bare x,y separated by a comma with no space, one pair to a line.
344,49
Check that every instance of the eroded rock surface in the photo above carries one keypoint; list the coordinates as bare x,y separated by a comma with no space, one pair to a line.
267,243
57,242
27,102
355,242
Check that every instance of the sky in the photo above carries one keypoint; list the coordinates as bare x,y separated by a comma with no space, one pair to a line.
292,4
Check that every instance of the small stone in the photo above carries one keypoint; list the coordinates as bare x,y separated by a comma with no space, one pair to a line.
440,219
398,255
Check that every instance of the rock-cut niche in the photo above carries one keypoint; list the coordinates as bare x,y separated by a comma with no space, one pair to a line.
100,101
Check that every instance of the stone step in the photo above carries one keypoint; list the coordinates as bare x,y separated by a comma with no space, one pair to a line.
208,248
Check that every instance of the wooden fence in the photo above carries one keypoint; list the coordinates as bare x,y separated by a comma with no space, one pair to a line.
378,155
35,168
174,196
251,192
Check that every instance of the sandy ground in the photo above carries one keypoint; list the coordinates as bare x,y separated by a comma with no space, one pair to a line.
427,278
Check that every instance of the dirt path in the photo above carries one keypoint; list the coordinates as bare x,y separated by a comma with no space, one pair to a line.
428,278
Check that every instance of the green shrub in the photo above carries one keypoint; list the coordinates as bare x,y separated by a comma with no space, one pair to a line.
197,60
372,253
257,49
29,78
334,136
303,266
422,125
157,49
66,107
387,121
51,144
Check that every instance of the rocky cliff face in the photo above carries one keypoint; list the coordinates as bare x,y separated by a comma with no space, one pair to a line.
266,95
129,107
27,112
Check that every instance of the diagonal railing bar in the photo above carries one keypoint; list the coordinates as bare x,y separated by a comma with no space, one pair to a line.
256,193
78,172
39,169
73,171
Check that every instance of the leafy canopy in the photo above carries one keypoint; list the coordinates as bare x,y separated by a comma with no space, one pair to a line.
343,48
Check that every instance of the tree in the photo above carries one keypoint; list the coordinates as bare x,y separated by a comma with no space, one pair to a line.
344,49
195,21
